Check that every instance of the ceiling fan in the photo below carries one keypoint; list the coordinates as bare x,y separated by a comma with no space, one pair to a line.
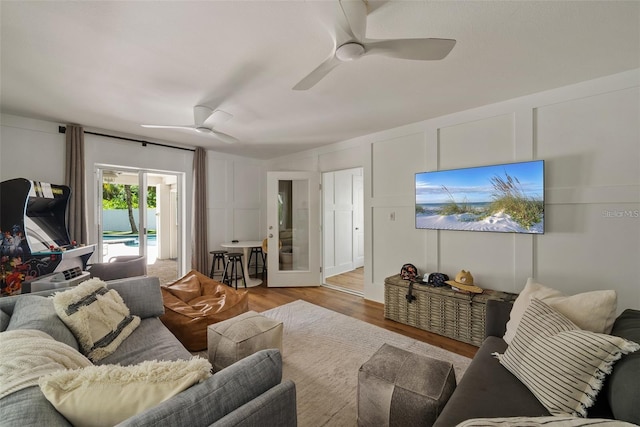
205,121
352,19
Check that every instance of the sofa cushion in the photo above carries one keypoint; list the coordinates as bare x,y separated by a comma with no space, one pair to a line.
97,316
230,388
621,388
79,394
593,311
549,352
489,390
29,407
36,312
150,341
141,295
4,321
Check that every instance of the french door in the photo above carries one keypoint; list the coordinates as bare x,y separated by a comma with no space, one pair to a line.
139,213
293,228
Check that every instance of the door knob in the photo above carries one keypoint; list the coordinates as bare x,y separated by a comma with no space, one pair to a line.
270,235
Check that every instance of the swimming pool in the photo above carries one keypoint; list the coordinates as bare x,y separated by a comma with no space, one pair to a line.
129,240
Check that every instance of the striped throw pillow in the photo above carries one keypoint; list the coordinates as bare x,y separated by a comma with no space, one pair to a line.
543,422
97,316
562,365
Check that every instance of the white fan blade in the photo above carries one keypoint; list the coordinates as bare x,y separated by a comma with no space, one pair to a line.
168,127
355,14
418,49
318,74
227,139
217,118
201,113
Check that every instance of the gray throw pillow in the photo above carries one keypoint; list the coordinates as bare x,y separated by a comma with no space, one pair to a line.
141,295
4,321
36,312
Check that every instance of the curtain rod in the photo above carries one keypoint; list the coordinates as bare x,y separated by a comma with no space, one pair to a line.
63,129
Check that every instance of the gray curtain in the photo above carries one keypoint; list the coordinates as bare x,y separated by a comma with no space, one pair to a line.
74,178
199,253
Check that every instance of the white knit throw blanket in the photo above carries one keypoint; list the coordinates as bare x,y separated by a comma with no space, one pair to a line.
27,354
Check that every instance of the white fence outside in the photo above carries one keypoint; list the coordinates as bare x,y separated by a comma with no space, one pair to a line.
118,219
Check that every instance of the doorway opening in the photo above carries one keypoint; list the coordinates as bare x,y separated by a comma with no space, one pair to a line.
139,213
343,230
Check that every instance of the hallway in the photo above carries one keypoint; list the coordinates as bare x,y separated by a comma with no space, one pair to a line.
351,280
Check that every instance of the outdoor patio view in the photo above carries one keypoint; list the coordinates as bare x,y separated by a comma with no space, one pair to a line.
121,227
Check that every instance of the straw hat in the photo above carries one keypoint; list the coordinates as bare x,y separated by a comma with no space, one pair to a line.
464,282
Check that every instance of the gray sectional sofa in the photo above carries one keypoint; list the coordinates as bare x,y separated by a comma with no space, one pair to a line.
248,393
489,390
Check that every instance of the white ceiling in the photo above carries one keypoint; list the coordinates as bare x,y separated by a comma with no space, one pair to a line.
114,65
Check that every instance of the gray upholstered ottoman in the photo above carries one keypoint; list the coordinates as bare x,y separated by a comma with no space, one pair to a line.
236,338
400,388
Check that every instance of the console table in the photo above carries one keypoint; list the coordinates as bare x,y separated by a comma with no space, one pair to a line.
441,310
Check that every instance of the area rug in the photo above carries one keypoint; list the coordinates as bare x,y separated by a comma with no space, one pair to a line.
322,352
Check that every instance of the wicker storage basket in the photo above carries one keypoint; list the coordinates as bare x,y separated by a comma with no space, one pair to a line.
456,315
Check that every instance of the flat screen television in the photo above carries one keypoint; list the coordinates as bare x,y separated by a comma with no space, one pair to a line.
506,198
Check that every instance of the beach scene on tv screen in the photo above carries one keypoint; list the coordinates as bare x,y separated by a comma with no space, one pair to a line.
504,198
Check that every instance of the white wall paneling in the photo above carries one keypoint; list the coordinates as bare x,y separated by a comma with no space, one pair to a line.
236,194
247,224
588,136
477,143
395,162
592,152
31,149
395,242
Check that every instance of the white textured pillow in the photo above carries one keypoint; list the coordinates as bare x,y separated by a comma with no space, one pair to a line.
97,316
562,365
108,394
593,311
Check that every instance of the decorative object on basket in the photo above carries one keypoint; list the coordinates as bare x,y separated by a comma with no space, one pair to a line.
437,279
464,282
410,297
409,272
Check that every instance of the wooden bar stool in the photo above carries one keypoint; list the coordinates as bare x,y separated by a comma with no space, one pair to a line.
257,251
218,258
231,273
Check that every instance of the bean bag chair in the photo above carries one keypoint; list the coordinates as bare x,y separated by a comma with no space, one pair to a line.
195,301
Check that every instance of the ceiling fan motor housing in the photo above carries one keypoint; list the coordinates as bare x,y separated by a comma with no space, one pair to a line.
349,51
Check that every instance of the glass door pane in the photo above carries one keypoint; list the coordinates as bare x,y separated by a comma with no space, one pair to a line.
120,214
293,223
162,230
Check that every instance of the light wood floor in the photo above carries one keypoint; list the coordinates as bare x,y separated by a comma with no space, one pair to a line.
262,298
351,280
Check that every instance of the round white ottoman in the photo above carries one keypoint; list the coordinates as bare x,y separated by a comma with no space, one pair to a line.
236,338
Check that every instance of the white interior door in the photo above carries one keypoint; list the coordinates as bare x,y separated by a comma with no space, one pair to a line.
358,221
293,228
